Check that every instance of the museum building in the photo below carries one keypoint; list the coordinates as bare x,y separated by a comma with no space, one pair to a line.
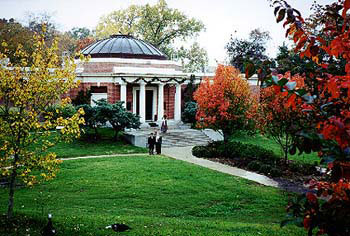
123,68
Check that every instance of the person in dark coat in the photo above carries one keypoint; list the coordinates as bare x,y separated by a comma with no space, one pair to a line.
151,142
164,127
158,140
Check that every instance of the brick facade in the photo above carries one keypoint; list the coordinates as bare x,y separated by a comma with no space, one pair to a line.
169,100
113,95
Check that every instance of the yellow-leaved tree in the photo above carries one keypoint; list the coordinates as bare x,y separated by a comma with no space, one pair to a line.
27,89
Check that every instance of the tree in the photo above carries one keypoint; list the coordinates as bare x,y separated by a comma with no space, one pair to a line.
326,101
79,38
37,21
279,121
226,102
26,130
194,59
117,116
157,24
242,51
13,33
91,117
82,43
66,44
80,32
120,22
289,61
189,91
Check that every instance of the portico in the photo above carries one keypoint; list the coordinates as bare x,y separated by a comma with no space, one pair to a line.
148,101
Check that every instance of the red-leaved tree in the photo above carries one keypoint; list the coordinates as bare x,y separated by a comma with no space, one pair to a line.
225,102
327,101
277,118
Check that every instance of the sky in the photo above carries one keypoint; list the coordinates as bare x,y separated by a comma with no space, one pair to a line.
222,18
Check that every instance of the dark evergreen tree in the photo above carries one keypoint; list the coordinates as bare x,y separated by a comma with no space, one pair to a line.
252,50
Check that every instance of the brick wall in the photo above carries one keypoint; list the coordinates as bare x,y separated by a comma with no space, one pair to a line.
169,99
113,91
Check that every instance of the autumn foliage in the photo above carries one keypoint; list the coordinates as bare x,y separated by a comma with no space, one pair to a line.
280,114
225,102
84,42
27,89
326,100
332,103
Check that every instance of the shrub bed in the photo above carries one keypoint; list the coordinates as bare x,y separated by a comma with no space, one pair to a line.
252,157
232,150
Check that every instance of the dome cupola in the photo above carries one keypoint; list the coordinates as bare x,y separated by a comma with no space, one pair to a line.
123,46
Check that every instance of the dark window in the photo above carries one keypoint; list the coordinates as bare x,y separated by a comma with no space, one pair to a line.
128,106
101,89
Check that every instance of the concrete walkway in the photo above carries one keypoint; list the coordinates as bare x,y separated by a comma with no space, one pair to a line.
185,154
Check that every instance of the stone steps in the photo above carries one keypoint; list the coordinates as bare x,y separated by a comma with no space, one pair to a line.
173,138
184,138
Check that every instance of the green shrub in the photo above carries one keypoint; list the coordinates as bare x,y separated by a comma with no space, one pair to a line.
265,169
302,168
239,150
200,151
189,113
275,172
254,165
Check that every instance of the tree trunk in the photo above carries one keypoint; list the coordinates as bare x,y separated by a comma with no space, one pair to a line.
116,132
96,132
12,188
286,150
285,154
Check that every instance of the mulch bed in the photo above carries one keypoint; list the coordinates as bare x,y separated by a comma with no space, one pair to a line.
291,181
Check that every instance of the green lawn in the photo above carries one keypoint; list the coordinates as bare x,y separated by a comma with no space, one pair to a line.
104,146
267,143
154,195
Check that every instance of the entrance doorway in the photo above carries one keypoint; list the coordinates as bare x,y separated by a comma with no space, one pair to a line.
150,103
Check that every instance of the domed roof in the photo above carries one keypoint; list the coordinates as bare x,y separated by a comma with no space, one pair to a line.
123,46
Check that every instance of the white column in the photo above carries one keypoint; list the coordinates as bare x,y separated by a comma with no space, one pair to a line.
142,102
177,112
160,101
123,93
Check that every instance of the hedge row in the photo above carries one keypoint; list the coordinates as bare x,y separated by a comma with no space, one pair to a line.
252,157
233,150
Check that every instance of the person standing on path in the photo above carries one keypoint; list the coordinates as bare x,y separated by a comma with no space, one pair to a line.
158,143
164,127
151,142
